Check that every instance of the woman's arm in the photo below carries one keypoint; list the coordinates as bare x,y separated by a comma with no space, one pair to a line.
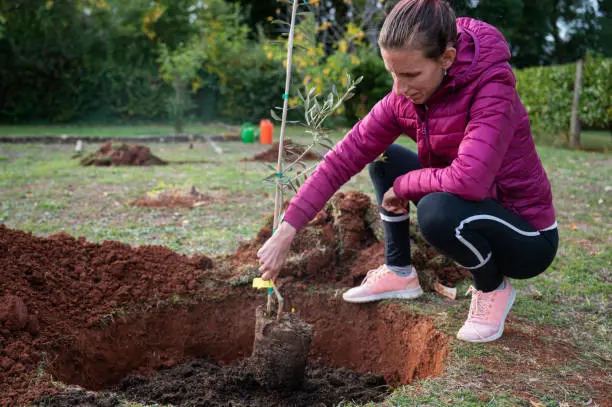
367,140
482,150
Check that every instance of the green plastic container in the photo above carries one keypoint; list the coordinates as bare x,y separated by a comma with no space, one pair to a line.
247,133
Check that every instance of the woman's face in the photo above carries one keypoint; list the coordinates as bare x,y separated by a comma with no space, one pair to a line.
414,75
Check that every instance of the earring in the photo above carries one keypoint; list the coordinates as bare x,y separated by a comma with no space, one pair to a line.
444,72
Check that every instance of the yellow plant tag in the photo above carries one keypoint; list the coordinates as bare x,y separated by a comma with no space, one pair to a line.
261,283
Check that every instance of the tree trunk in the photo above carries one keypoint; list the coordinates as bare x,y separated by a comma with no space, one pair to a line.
178,119
575,120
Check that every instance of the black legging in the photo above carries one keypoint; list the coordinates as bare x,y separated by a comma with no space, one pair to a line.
482,236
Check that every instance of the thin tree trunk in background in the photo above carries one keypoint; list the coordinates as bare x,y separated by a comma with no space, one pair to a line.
575,120
178,120
368,24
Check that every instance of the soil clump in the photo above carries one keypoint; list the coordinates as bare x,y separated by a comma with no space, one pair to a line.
340,245
119,154
280,350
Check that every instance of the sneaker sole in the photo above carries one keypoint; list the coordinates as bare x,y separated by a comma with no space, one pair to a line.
404,294
499,333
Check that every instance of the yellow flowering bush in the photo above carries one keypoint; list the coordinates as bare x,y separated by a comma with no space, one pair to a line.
311,66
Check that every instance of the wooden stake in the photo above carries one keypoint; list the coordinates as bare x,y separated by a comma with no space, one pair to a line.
278,199
278,202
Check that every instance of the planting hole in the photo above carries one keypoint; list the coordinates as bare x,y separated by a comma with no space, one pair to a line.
358,353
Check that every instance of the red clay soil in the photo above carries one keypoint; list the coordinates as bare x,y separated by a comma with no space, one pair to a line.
292,150
174,198
52,288
122,154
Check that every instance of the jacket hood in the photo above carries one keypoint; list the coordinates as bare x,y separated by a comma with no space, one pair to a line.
479,47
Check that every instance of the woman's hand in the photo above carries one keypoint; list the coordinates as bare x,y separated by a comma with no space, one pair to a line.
273,253
393,204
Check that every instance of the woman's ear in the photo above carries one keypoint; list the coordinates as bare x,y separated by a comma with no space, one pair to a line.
448,57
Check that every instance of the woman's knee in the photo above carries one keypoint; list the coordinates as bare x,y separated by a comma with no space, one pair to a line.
434,214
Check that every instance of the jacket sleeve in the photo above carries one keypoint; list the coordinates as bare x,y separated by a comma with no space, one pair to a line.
368,139
481,152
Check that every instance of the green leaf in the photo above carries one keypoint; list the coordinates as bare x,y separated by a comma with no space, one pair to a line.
274,115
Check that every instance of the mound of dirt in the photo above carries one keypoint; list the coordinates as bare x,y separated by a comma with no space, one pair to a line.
51,287
341,244
206,383
174,198
122,154
291,151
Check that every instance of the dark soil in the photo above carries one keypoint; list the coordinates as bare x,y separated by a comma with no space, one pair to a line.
292,151
119,154
204,382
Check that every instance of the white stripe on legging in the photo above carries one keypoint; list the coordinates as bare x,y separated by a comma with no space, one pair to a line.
394,218
551,227
482,260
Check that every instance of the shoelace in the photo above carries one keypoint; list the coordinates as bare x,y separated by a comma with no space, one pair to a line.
480,303
374,274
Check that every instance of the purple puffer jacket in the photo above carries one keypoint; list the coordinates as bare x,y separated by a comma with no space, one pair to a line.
473,138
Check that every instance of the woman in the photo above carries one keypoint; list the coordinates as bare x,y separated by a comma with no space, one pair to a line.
482,195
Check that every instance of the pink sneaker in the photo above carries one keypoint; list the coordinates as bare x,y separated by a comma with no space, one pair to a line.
487,315
382,283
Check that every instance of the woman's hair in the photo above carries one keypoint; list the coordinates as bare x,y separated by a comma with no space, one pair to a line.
425,24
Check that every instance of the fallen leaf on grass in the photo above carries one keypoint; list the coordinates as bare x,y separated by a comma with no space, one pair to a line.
536,403
449,292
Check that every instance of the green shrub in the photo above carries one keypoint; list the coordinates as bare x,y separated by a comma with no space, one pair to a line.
547,94
596,96
250,86
377,82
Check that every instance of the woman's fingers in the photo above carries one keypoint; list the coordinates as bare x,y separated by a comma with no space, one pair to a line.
269,275
395,209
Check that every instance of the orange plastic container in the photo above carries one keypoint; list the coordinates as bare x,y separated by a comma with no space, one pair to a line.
266,131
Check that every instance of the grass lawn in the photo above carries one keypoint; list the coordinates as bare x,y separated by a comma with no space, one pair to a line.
45,191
